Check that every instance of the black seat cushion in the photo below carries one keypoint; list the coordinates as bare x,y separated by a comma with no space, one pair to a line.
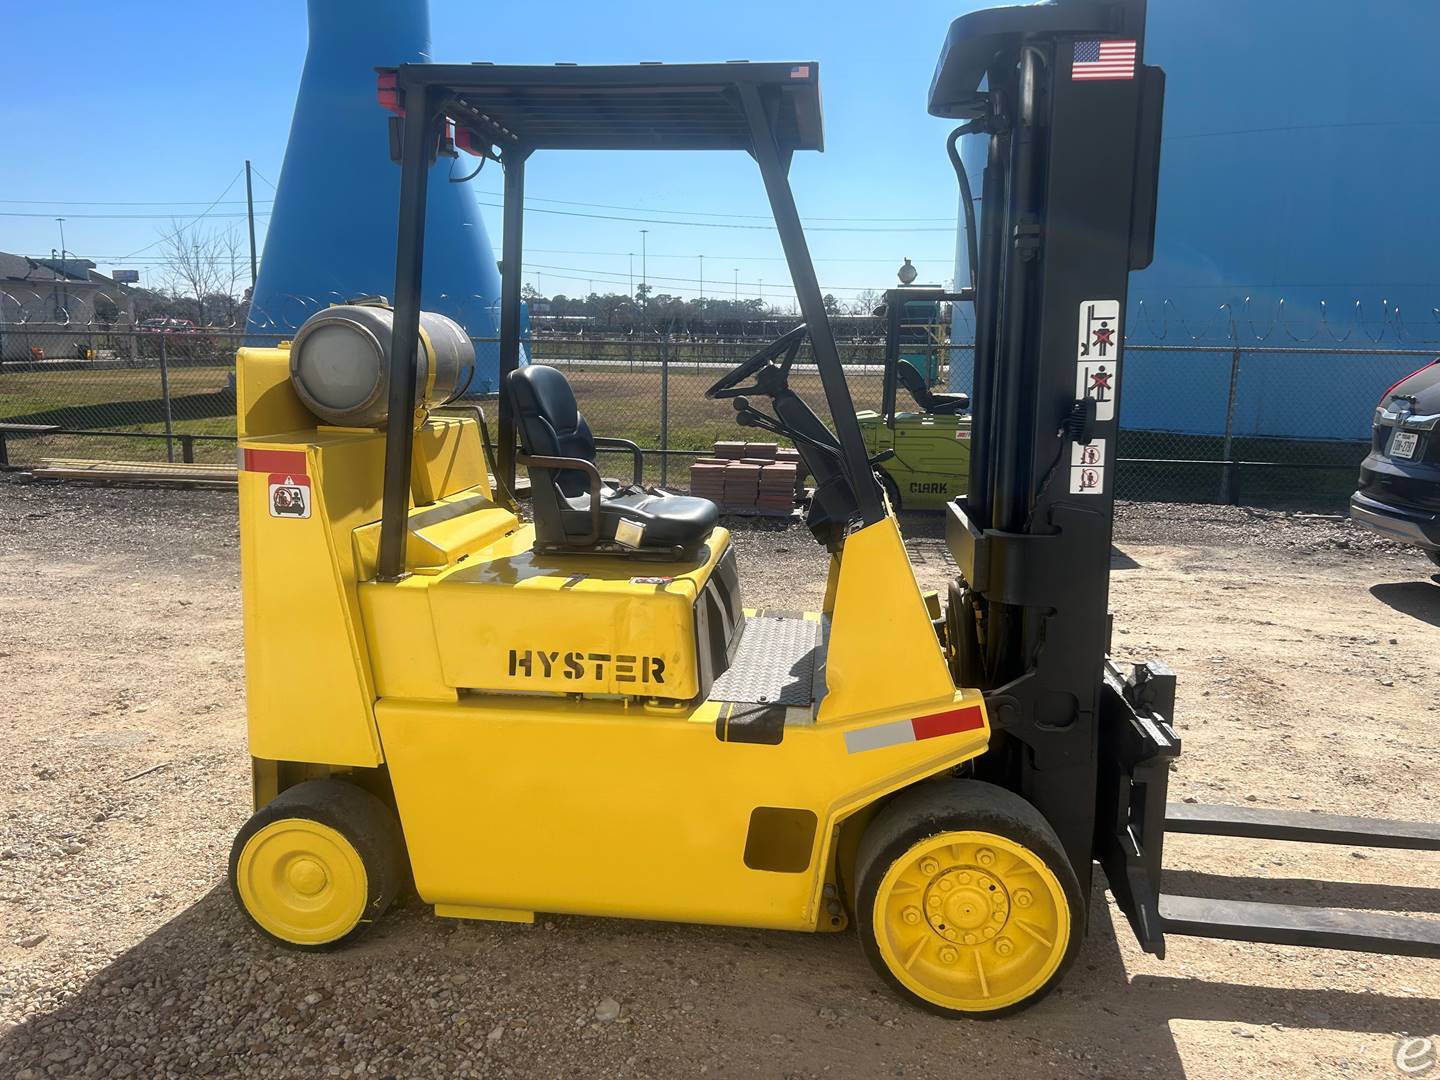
551,425
927,399
668,520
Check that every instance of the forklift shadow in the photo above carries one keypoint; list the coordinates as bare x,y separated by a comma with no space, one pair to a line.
1304,892
1418,599
1145,1005
745,981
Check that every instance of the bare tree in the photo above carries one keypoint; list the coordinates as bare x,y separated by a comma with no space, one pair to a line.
866,301
203,266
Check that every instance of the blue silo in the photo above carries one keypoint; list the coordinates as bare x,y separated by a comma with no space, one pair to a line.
332,232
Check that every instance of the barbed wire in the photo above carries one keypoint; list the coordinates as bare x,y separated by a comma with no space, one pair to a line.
78,305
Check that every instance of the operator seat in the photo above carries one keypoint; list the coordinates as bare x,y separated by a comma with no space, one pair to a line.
560,454
927,399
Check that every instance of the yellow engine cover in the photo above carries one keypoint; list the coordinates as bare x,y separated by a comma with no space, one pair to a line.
507,619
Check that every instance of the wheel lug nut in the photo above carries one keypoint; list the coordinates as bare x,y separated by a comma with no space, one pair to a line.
985,857
989,931
929,866
933,902
1004,946
969,939
963,877
1023,897
948,955
946,884
911,915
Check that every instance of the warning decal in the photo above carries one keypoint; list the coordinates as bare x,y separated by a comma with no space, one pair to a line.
1097,351
1087,468
289,495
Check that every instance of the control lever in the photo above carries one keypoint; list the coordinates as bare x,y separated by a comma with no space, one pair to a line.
744,415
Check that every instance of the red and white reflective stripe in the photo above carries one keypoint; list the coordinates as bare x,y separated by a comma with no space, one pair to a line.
272,461
950,722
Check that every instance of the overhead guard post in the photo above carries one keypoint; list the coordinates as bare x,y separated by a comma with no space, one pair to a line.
773,169
511,266
419,136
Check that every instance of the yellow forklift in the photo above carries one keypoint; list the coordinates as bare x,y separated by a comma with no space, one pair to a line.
579,715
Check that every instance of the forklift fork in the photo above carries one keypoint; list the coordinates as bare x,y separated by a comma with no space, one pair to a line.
1137,744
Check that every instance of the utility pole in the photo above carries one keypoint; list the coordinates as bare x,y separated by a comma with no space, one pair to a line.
64,300
737,284
250,215
644,279
702,279
632,276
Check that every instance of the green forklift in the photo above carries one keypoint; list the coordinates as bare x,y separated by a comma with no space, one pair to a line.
921,449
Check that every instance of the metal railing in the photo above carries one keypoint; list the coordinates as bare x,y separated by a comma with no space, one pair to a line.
1264,424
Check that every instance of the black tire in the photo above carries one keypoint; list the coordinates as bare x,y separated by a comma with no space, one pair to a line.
362,819
1433,554
892,489
948,805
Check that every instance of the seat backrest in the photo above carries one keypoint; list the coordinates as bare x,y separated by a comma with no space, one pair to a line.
914,383
550,422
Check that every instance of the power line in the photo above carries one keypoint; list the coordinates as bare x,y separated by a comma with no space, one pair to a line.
117,217
946,258
718,224
177,232
74,202
701,213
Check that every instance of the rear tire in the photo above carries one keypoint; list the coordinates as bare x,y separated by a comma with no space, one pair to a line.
968,905
892,489
318,864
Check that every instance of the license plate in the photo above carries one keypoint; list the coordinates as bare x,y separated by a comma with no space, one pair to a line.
1402,444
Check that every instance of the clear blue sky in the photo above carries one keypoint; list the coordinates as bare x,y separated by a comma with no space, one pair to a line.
150,103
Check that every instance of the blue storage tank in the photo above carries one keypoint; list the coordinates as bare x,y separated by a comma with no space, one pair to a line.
332,232
1299,164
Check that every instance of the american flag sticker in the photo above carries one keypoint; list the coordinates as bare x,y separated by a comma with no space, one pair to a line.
896,732
802,71
1103,60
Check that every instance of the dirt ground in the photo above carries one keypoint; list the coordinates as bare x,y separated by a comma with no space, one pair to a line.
1307,660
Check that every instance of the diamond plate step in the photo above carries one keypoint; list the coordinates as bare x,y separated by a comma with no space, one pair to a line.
774,665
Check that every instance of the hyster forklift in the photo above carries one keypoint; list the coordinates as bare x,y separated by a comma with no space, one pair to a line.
578,715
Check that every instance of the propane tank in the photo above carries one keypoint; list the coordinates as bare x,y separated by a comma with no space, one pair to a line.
339,363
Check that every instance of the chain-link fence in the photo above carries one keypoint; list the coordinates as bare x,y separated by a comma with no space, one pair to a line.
1268,425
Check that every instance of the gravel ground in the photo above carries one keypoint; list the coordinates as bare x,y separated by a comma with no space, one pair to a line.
1306,650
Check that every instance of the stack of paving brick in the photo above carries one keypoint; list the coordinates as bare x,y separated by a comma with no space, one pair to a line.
777,488
749,477
730,451
742,485
707,479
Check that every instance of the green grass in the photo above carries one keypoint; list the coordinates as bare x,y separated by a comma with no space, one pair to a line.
623,401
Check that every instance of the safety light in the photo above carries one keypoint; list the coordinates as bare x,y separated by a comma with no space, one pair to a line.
387,90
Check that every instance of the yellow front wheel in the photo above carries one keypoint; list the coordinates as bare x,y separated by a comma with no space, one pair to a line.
317,864
967,903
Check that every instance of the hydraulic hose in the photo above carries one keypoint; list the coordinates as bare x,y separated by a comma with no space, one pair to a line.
967,201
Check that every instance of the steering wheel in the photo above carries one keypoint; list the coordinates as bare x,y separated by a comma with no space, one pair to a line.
729,385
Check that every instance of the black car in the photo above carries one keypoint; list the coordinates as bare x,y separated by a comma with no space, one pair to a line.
1400,478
